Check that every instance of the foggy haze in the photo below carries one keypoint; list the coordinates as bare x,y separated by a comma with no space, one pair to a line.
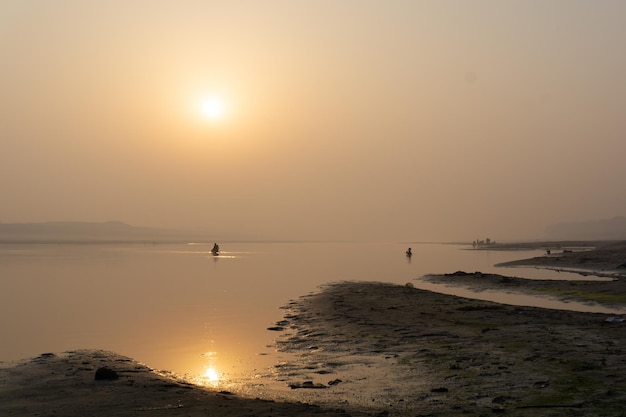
352,120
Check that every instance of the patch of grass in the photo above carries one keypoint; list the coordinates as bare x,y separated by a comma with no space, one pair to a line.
479,326
573,383
405,361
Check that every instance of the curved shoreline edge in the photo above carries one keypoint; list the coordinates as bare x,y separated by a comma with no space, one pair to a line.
392,351
412,352
601,258
64,384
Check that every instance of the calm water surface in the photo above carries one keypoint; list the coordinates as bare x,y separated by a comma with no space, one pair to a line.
176,307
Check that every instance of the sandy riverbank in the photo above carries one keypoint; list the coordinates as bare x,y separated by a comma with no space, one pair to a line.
598,258
411,352
65,385
602,266
373,349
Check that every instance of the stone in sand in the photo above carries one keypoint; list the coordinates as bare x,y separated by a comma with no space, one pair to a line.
106,374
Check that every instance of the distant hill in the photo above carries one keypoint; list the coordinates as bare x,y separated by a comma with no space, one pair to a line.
90,232
609,229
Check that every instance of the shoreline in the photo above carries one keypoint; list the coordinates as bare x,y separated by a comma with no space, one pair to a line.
604,259
379,349
65,384
370,349
408,352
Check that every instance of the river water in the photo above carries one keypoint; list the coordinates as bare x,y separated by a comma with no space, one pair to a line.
176,307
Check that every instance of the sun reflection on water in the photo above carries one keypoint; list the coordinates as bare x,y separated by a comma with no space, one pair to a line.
211,375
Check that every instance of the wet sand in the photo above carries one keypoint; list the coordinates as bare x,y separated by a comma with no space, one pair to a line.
600,258
587,258
65,385
410,352
366,348
602,269
420,353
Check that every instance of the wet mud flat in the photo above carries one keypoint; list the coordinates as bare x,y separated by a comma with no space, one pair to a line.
104,384
609,293
402,351
377,349
600,258
601,265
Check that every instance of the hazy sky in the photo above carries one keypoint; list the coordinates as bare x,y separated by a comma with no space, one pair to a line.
353,119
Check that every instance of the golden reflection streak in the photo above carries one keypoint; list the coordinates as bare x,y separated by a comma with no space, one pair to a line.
211,375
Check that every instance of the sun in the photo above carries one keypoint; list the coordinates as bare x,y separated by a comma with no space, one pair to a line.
212,108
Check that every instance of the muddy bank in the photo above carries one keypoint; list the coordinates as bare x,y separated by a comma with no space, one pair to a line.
367,349
601,258
65,385
609,294
381,350
602,263
404,351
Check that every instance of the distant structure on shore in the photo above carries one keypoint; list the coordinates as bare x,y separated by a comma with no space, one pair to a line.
478,243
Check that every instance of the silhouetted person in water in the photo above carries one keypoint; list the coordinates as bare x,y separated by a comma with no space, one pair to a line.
216,249
408,252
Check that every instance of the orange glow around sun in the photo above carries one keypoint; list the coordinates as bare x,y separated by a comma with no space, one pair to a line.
212,108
